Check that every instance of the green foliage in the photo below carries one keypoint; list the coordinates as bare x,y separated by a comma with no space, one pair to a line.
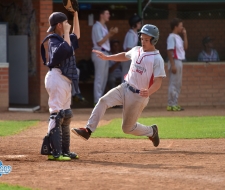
14,127
171,128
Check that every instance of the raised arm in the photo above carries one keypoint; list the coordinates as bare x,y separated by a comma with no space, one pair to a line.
76,25
116,57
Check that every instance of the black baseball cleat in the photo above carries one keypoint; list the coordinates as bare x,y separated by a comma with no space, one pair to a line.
72,155
155,137
82,132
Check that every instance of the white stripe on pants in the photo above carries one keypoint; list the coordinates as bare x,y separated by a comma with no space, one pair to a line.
175,83
101,76
133,105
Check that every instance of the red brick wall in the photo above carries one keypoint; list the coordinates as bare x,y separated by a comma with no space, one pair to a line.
34,80
203,85
45,9
4,88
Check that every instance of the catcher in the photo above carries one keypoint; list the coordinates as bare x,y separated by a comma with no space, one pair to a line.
60,80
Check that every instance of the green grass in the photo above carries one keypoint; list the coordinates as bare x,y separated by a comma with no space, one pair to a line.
171,128
14,127
12,187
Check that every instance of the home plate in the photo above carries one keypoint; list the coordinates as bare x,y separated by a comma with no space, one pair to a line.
13,156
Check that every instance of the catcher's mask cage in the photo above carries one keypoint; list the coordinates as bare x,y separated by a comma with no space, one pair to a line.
150,30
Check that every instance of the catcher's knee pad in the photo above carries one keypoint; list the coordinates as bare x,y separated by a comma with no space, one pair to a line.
55,134
66,131
67,117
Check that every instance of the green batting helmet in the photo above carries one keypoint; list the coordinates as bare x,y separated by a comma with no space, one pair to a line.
152,31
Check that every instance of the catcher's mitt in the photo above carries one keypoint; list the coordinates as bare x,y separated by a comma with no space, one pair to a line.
71,5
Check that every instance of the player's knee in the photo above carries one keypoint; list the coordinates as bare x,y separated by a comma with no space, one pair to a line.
67,117
126,129
103,101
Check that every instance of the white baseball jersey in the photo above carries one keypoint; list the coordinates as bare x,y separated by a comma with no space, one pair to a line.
98,33
145,66
175,43
131,40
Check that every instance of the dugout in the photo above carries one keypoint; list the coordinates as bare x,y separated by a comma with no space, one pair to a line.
203,83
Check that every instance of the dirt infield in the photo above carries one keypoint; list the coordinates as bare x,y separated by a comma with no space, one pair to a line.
115,163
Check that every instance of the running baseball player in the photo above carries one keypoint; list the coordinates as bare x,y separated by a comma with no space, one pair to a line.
100,39
59,82
131,40
143,79
176,47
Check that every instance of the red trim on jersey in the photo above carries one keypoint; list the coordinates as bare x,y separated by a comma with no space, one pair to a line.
175,53
143,56
151,80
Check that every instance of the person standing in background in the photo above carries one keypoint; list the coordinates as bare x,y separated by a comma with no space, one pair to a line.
100,39
176,47
114,66
208,53
131,40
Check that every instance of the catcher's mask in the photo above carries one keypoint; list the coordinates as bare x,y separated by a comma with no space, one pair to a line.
54,19
152,31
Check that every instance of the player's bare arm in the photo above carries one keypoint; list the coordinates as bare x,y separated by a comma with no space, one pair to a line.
76,25
66,28
116,57
170,57
111,33
155,86
185,39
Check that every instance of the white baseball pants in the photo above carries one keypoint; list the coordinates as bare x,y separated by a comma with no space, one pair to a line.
175,83
101,76
133,105
59,90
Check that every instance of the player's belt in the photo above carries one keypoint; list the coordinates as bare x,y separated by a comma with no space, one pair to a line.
131,88
102,49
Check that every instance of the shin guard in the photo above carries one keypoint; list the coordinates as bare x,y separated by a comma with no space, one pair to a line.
66,131
55,134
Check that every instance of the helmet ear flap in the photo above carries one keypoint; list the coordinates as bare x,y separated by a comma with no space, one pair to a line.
153,41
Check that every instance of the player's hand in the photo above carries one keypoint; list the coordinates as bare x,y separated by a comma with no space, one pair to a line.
184,31
144,93
113,31
66,27
174,69
100,54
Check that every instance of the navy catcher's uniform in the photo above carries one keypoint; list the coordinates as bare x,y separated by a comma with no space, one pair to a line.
61,82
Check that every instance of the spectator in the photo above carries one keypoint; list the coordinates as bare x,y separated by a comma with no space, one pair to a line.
100,39
114,67
208,53
176,53
131,40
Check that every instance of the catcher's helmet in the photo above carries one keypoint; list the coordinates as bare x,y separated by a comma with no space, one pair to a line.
152,31
134,20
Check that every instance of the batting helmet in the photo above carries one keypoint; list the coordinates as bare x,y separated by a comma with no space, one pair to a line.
152,31
134,20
